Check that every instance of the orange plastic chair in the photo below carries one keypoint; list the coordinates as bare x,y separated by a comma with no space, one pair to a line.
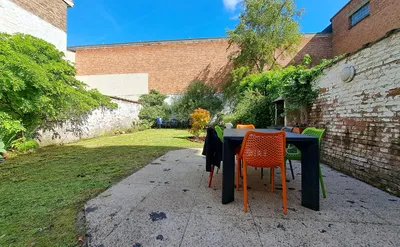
265,150
245,126
237,151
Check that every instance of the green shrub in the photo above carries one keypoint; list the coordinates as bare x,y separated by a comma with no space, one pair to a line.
23,145
9,129
197,95
254,108
153,107
146,124
38,87
256,92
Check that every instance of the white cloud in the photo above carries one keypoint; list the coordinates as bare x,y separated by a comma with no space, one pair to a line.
234,17
231,4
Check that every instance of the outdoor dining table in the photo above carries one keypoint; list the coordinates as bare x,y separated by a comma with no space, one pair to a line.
309,147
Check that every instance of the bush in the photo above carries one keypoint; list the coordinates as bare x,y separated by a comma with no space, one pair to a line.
9,129
254,108
200,118
22,145
256,92
153,107
197,95
38,86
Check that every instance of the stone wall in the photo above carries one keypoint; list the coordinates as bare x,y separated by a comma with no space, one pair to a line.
362,117
98,123
15,19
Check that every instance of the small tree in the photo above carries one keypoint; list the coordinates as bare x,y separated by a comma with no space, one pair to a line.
38,87
197,95
267,31
200,118
153,107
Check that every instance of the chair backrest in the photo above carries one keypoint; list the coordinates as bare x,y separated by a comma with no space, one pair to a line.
245,126
311,131
264,149
287,129
220,133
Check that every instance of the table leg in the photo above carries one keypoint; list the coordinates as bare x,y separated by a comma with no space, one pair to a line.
228,173
309,175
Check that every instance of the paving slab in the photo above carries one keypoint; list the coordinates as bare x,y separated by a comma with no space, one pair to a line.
220,230
168,203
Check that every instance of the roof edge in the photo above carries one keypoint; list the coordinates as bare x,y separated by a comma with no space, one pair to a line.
123,99
151,42
70,3
341,10
172,41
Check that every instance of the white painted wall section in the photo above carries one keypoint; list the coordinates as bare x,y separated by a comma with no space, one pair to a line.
126,86
14,19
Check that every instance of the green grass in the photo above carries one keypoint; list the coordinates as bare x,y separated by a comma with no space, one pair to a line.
42,192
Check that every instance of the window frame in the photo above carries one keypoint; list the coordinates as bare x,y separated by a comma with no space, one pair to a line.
359,7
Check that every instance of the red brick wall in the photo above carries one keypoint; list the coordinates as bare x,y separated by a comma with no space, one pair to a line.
362,117
173,65
384,16
52,11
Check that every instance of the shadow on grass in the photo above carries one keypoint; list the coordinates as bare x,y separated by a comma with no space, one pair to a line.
42,192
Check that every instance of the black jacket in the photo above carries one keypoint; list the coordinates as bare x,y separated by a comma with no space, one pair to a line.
212,149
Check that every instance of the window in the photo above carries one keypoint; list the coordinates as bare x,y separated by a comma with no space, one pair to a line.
359,15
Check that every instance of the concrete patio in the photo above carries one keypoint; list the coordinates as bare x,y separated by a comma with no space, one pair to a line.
168,203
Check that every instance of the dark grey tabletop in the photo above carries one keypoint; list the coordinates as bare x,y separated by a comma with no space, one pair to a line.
238,134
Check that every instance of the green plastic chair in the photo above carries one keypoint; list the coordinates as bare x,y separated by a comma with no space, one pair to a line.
292,153
2,149
220,134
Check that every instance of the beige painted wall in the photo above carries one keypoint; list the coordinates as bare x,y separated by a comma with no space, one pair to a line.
126,86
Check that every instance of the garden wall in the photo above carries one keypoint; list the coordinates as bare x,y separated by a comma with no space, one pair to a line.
98,123
362,117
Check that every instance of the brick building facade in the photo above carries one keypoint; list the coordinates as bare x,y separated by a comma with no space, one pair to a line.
46,19
172,65
373,19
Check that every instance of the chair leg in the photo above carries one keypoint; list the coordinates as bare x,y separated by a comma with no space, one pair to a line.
284,195
211,176
322,183
245,199
262,173
291,169
217,170
239,162
272,179
237,175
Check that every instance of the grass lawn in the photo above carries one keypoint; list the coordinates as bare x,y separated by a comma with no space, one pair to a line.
42,192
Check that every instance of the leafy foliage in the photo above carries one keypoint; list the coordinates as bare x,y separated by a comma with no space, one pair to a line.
22,145
257,92
153,98
200,118
254,108
153,107
38,87
267,31
9,129
197,95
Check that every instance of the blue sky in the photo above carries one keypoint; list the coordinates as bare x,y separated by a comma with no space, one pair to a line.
116,21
